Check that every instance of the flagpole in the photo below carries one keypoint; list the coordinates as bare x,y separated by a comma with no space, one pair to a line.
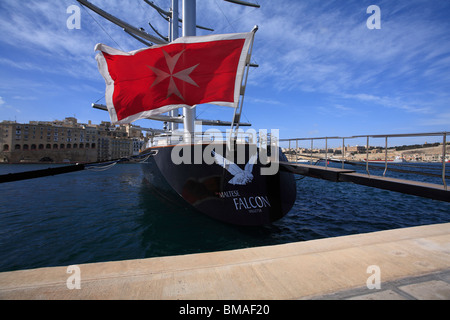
174,35
189,29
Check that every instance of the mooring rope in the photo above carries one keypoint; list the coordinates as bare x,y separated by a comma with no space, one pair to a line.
93,166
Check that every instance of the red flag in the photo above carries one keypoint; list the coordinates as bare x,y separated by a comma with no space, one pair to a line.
184,73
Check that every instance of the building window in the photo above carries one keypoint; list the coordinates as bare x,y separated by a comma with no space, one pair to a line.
17,147
5,147
25,147
41,146
81,146
75,145
55,146
68,146
61,146
33,147
48,146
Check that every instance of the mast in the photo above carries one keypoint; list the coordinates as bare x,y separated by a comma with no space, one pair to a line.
174,35
174,24
127,27
189,25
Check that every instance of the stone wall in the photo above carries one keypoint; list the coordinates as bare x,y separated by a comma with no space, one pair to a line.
49,155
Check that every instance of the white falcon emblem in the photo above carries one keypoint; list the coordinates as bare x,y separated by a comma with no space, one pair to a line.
241,177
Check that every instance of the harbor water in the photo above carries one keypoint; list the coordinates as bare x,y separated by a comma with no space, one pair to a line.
94,216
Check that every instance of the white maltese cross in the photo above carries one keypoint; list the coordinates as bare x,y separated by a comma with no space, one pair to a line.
182,75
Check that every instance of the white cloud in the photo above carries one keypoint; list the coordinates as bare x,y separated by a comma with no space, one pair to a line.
343,108
39,29
442,120
391,102
262,101
325,47
6,107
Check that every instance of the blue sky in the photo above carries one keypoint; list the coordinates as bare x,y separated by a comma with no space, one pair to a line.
322,71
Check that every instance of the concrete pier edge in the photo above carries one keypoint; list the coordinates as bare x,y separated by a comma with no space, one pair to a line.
405,264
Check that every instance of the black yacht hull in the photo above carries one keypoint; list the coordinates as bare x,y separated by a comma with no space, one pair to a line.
213,190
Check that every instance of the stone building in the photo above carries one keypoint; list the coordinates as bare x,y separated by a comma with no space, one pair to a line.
65,141
57,141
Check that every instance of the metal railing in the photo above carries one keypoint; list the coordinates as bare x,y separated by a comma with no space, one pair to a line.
261,138
367,147
173,138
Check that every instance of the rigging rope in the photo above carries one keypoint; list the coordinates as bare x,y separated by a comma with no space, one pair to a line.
104,30
98,168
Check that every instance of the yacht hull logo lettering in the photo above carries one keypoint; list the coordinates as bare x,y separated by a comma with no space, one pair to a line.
251,203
